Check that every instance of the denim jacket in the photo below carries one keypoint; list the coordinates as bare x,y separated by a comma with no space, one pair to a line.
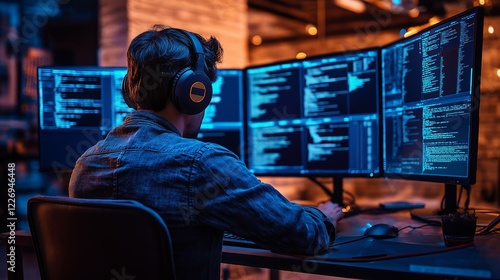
200,190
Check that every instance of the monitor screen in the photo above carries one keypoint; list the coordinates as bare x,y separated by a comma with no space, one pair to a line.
315,117
223,120
430,100
77,107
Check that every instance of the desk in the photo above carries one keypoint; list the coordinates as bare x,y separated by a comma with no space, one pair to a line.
480,261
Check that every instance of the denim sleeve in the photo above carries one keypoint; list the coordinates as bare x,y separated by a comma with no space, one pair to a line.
229,197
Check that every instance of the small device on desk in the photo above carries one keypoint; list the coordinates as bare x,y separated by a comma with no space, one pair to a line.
395,205
382,231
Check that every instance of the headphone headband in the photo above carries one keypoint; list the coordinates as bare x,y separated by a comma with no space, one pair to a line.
199,50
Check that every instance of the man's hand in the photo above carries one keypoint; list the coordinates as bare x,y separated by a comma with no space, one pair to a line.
332,211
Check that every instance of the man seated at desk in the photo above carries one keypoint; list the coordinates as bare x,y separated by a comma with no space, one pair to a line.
200,189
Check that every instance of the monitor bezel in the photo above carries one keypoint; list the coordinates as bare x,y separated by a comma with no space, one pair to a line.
470,179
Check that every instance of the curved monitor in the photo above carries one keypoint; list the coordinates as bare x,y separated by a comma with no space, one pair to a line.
430,99
315,117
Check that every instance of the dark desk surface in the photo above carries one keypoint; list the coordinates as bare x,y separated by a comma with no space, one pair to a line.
479,261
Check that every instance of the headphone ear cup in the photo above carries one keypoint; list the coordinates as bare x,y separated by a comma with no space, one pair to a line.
126,94
192,91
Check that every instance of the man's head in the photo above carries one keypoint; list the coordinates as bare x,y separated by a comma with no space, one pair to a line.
169,65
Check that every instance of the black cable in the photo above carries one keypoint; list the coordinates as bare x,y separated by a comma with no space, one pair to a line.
366,236
351,203
349,241
414,227
467,200
490,227
389,257
323,187
487,211
460,195
380,257
353,198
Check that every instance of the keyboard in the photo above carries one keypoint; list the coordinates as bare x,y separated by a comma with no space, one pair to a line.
232,239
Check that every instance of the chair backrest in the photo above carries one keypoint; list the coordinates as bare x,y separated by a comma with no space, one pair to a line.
108,239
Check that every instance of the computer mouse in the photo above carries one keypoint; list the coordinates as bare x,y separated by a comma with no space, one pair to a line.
381,231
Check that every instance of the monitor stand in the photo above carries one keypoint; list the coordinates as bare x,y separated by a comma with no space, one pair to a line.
433,216
337,195
338,191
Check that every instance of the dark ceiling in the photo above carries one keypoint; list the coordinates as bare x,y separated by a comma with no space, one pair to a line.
286,20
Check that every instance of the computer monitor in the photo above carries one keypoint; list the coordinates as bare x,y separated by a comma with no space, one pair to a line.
77,106
315,117
430,99
223,120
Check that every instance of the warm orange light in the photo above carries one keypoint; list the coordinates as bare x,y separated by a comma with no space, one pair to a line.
311,29
434,20
411,31
491,30
256,40
301,55
414,12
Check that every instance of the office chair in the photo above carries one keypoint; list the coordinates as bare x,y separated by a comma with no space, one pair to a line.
107,239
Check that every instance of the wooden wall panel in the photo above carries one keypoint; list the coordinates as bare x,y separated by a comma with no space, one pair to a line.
122,20
227,20
113,41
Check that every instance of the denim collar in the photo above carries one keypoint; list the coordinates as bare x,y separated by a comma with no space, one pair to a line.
150,118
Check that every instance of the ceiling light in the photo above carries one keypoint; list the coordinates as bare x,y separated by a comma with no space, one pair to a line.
355,6
491,30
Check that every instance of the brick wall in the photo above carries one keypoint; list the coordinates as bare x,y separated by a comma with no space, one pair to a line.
122,20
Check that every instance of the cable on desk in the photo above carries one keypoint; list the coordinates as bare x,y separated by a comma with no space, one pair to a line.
366,236
349,241
490,227
467,200
487,211
414,227
382,257
351,202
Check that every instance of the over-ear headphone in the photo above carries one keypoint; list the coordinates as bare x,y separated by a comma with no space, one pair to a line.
192,89
125,93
